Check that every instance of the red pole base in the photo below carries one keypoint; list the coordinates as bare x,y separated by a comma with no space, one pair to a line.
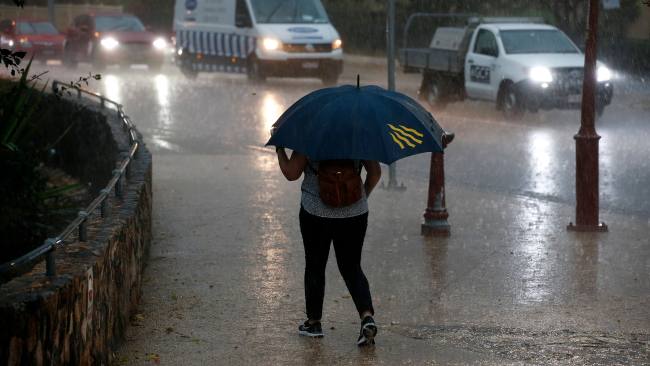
600,228
440,228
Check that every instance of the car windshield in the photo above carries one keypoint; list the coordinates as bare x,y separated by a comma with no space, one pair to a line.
44,28
289,11
536,41
119,23
25,28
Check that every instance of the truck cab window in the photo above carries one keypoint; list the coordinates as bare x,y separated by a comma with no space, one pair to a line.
486,43
242,16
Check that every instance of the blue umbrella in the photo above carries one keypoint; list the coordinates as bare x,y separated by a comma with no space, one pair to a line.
366,123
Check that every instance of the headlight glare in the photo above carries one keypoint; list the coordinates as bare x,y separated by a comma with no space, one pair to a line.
337,44
271,44
603,74
109,43
159,44
541,74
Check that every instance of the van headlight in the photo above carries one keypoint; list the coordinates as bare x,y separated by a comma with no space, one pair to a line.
109,43
541,74
271,44
337,44
603,74
159,44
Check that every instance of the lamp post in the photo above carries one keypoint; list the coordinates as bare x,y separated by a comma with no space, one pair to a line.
587,205
390,43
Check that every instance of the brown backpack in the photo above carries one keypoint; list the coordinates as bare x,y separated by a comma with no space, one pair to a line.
339,182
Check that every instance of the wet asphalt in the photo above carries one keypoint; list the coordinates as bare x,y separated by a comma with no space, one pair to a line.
510,286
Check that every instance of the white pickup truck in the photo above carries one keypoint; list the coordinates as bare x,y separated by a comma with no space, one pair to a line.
519,64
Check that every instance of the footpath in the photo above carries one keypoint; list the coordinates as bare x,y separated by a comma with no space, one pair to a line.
510,286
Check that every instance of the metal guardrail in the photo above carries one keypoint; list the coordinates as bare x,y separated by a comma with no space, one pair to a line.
79,226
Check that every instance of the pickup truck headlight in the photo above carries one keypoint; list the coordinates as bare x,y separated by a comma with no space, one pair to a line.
109,43
603,74
337,44
541,74
271,44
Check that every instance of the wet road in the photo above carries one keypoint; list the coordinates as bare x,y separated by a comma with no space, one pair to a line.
220,114
511,286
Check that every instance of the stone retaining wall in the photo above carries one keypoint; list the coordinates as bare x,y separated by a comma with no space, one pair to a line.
79,316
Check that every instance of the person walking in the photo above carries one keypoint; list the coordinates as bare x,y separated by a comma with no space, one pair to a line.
338,221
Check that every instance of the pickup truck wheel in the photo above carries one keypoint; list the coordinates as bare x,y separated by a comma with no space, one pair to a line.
600,108
512,106
434,95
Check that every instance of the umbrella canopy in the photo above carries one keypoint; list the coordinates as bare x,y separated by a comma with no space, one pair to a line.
351,122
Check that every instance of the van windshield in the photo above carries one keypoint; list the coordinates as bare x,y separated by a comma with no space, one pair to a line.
536,41
289,11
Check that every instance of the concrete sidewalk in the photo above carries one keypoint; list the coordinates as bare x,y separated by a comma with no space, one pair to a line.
510,286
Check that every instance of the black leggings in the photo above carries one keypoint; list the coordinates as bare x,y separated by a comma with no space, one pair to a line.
347,235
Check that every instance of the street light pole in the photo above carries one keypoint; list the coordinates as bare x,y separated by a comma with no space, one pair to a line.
587,205
390,40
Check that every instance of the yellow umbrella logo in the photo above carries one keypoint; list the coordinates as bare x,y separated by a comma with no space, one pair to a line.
403,135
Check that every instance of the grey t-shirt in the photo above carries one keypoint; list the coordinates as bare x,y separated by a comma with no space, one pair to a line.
312,203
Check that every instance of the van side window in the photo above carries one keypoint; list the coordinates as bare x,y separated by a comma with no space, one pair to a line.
242,16
486,43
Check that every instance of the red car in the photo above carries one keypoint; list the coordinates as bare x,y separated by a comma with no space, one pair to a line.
105,39
39,38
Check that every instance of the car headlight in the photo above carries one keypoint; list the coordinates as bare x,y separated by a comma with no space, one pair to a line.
160,44
109,43
337,44
271,44
4,41
541,74
603,74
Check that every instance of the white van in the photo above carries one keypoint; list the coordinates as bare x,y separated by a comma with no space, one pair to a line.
261,38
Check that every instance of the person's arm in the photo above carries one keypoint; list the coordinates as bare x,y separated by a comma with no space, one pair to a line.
373,175
293,167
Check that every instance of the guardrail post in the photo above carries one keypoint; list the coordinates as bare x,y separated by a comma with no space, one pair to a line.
104,207
119,111
79,93
50,265
436,215
83,226
118,185
102,102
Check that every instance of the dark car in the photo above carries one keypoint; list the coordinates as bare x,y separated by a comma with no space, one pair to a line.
105,39
39,38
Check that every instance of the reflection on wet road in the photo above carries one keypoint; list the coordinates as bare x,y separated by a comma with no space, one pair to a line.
220,114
